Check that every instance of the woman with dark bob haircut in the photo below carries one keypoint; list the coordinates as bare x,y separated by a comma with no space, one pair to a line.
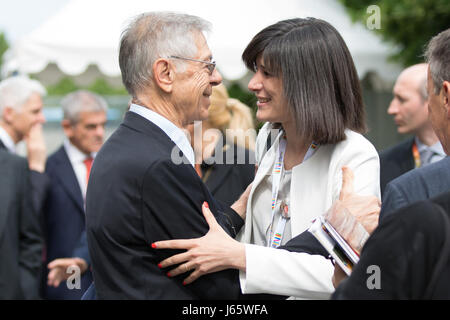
310,98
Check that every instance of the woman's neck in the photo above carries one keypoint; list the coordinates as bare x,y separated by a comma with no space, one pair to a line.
296,146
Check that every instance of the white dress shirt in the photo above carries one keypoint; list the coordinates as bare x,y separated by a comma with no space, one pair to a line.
7,140
76,158
430,154
262,204
175,134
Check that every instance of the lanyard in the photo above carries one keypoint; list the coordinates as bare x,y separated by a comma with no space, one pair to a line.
416,155
275,239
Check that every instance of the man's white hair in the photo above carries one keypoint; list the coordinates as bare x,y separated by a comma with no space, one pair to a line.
82,101
155,35
16,90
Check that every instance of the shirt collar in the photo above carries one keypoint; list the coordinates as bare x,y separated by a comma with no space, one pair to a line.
74,154
7,140
175,133
436,148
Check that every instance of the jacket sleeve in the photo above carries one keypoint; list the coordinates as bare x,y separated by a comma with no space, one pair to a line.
171,209
361,157
40,183
30,246
393,199
280,272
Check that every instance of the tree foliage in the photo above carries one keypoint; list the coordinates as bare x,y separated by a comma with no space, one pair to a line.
3,47
408,24
100,86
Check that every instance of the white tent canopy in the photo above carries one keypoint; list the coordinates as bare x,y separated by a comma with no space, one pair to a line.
87,32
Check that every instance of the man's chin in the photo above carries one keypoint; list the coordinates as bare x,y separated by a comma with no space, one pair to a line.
203,114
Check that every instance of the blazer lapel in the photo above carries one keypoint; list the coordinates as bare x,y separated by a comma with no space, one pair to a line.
315,195
408,161
264,169
66,176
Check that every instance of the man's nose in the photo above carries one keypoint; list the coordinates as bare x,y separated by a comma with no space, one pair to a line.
100,131
215,78
393,107
41,118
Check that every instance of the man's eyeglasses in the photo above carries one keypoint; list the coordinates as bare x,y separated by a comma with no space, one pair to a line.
211,65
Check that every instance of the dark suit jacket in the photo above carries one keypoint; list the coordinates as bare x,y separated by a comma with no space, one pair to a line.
39,186
137,195
395,161
81,249
416,185
20,232
231,173
411,249
64,220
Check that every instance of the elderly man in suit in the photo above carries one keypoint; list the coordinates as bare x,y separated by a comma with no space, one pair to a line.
20,232
409,107
21,118
143,186
429,181
68,169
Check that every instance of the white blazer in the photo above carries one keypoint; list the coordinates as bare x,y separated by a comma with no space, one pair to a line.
315,185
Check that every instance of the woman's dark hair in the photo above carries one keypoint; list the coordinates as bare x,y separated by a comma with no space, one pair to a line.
320,82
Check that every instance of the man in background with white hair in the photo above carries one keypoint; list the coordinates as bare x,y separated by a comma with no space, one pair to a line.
20,229
21,118
68,168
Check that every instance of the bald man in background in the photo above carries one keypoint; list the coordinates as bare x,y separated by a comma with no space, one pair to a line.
409,107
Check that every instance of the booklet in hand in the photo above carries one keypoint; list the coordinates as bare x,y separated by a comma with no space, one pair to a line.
334,243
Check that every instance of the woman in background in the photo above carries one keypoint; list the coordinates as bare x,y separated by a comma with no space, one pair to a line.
223,146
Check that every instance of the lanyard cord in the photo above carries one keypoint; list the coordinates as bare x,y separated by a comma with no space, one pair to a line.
416,155
275,239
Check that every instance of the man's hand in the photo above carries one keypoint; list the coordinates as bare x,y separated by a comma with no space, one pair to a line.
213,252
353,216
58,268
36,149
365,209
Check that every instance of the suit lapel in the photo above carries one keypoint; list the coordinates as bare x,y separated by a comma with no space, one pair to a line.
66,176
408,162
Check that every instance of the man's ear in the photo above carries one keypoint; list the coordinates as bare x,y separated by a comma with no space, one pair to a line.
446,97
8,114
67,127
163,74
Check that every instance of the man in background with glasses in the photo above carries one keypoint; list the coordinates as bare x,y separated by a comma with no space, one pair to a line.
143,186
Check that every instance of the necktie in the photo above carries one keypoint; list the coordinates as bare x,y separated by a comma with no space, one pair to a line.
426,156
198,169
88,163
